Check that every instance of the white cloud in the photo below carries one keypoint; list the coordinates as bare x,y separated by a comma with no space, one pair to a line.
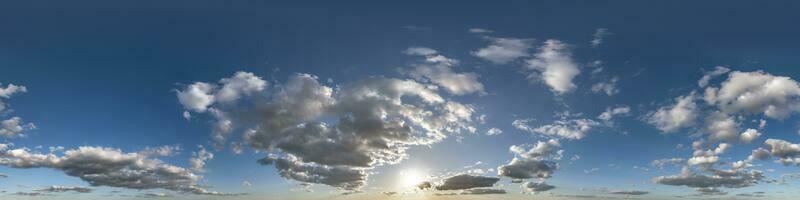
554,65
749,135
722,127
674,117
786,152
598,36
187,115
573,129
11,89
439,70
756,93
608,115
480,30
707,76
660,163
242,83
494,131
504,50
196,97
199,158
708,157
609,88
14,127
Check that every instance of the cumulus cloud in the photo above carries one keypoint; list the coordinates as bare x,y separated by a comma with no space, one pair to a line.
438,69
598,36
722,127
466,181
553,64
14,127
749,135
756,93
332,137
198,96
337,176
609,88
11,89
573,129
494,131
707,157
199,158
672,118
6,93
537,187
504,50
535,162
707,76
786,152
101,166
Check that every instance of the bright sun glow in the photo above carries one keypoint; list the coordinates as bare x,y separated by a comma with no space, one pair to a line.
409,178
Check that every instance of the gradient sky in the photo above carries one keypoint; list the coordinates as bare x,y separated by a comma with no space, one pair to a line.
700,99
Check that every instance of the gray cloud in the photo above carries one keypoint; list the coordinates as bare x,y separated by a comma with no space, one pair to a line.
466,181
336,176
14,127
317,132
101,166
533,162
713,178
537,186
629,192
58,188
786,152
479,191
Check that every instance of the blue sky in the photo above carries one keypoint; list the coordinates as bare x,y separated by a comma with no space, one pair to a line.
357,99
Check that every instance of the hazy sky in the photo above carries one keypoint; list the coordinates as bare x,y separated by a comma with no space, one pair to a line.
412,100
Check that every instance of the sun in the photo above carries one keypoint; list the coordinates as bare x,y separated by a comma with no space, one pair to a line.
409,178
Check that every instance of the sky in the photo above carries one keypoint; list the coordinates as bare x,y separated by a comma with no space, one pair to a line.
399,100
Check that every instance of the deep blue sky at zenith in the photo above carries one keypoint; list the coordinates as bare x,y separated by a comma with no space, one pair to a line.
102,73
